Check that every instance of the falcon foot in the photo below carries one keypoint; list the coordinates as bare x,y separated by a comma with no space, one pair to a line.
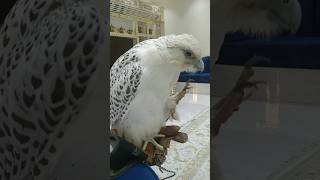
231,102
177,98
156,148
154,142
182,93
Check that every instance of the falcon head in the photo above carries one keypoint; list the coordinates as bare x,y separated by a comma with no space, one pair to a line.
260,18
182,51
265,17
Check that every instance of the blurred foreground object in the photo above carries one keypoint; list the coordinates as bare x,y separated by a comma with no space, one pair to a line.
224,109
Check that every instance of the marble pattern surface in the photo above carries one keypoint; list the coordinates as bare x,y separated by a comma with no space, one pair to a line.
269,140
302,166
191,160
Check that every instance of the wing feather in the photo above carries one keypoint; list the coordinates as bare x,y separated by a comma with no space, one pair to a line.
47,65
125,77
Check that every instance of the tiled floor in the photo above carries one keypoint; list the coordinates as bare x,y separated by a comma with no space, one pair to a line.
264,140
191,160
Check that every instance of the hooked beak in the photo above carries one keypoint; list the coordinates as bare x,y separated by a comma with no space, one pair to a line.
199,66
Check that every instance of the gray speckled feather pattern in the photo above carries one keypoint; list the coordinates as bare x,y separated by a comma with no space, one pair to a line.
125,77
48,51
141,83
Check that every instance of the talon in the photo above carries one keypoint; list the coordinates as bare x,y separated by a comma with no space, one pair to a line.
183,92
246,97
144,147
154,142
177,98
158,146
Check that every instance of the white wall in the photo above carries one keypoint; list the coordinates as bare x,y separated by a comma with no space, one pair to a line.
189,16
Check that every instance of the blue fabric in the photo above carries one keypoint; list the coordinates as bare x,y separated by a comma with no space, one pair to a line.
297,51
197,77
287,52
139,171
200,77
206,61
317,18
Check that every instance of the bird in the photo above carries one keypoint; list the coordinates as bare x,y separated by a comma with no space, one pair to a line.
141,81
262,18
50,53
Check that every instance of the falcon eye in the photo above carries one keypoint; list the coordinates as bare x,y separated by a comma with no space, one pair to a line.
187,53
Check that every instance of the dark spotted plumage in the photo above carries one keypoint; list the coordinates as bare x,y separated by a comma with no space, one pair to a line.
141,84
48,59
124,88
125,77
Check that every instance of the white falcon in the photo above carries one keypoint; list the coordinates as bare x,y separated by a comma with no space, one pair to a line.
141,81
